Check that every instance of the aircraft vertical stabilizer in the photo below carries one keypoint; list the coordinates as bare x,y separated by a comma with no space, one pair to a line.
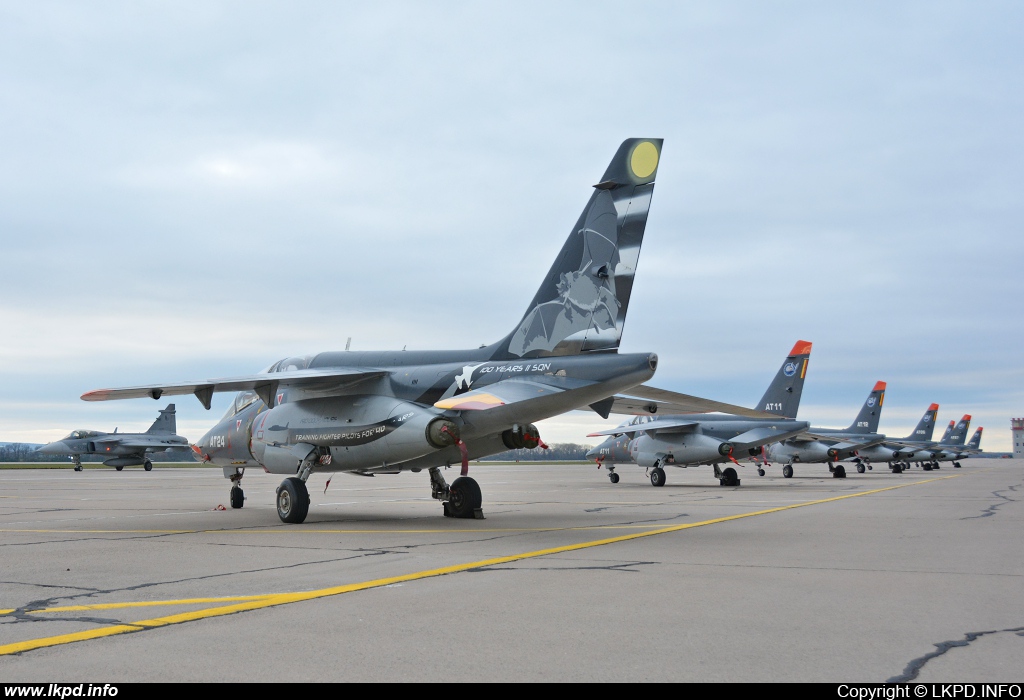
926,426
783,395
166,422
870,412
975,442
581,304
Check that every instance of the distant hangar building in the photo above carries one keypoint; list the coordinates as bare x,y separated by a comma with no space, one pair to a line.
1017,427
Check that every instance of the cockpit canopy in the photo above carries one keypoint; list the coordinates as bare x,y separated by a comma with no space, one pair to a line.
244,398
82,434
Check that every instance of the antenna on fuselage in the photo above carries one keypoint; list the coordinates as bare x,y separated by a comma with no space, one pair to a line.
348,344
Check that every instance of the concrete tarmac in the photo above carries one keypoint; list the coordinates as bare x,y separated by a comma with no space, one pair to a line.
134,576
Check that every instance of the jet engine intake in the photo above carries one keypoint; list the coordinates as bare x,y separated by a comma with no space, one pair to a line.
521,436
725,449
442,433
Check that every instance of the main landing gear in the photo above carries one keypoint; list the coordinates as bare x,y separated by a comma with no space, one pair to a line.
760,471
838,471
657,475
460,500
147,465
727,476
787,471
896,467
956,465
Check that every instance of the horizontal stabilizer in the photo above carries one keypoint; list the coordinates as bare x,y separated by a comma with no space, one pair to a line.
652,400
264,384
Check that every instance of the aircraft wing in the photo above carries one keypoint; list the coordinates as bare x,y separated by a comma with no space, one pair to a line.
653,400
265,385
667,425
759,436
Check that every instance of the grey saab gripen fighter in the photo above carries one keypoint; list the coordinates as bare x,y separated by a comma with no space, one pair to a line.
372,413
709,439
121,450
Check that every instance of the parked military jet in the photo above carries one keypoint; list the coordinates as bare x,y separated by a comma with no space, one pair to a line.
121,449
950,448
829,445
895,451
708,439
374,413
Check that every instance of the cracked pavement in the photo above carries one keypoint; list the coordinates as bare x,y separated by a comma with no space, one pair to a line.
918,583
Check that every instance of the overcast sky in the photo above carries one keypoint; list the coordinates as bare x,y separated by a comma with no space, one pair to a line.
193,190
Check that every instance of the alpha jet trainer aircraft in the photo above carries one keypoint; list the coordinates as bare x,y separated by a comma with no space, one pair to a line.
829,445
950,448
121,449
374,413
701,439
895,451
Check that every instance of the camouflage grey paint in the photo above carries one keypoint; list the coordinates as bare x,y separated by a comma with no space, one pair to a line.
377,412
121,449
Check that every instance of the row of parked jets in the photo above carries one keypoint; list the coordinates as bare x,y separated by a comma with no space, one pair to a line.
377,413
715,439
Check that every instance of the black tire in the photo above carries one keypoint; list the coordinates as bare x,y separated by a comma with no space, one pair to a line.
464,497
292,500
119,468
935,466
870,467
657,477
956,465
729,477
840,472
861,469
787,471
237,497
148,466
927,467
760,472
613,477
79,468
897,469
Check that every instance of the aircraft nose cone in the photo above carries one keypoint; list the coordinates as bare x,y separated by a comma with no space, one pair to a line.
54,448
593,454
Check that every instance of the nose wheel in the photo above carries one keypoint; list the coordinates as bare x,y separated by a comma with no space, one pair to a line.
613,477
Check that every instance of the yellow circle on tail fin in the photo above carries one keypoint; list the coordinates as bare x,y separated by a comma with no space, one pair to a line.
644,159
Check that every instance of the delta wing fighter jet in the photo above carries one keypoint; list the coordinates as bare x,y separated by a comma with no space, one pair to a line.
829,445
895,451
121,449
709,439
372,413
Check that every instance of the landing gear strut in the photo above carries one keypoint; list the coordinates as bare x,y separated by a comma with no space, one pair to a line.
461,500
727,476
77,462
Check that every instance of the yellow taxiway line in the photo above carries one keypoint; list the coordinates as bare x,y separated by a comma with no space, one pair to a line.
274,599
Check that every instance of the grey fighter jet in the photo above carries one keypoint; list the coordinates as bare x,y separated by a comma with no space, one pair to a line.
895,451
950,448
121,449
829,445
372,413
691,440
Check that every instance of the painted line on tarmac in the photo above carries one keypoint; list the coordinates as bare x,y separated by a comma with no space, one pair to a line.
275,599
